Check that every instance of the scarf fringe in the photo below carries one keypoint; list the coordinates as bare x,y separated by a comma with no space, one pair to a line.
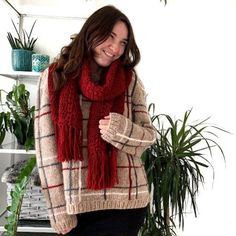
69,140
106,172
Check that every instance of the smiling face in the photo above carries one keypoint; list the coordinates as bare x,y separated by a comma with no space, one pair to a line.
113,47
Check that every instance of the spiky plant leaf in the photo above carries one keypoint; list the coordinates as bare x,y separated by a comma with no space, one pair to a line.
22,41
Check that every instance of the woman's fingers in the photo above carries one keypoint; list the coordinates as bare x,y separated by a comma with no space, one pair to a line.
104,124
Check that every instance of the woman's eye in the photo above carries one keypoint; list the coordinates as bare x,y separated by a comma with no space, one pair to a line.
124,43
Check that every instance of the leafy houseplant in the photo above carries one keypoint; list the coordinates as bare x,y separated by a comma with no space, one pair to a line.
22,48
174,170
22,115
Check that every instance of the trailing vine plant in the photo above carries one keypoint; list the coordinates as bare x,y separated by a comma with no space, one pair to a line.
17,194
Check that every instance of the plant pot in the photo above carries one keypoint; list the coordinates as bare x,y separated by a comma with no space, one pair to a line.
21,59
39,62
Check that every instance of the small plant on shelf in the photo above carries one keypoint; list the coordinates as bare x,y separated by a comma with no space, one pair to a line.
24,41
21,122
22,48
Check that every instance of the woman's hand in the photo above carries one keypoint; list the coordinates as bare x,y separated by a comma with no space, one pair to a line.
104,124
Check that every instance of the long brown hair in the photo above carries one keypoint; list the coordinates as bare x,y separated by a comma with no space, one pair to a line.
95,30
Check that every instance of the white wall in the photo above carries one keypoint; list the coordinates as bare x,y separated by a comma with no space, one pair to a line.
188,61
6,14
53,33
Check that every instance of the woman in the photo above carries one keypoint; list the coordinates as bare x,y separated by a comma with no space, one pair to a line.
91,129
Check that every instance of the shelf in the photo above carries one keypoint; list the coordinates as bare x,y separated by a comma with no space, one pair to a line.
17,151
21,75
42,226
10,148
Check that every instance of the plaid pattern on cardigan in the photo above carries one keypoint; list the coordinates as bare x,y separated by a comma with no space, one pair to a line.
64,184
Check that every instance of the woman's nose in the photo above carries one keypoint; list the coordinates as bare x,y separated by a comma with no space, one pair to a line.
115,48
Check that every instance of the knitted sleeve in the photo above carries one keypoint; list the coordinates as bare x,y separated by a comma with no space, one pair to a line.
132,135
50,170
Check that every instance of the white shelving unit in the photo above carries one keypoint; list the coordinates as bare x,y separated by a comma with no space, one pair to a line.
39,226
10,148
46,10
20,74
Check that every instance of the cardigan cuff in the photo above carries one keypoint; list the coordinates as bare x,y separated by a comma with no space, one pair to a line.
114,127
64,221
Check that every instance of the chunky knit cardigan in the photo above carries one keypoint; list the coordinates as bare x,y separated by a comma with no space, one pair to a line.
64,184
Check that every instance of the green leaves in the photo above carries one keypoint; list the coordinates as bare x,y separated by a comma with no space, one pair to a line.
17,197
4,125
20,119
174,169
24,41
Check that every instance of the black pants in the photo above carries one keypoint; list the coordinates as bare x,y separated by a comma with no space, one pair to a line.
109,223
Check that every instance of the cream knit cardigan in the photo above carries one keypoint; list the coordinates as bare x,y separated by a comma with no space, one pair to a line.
64,184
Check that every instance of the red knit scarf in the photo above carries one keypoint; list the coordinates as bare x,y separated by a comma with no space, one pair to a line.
67,118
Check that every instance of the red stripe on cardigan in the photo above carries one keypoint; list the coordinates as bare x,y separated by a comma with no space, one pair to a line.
140,111
53,186
43,114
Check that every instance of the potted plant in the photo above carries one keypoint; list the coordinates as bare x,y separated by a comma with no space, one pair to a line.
22,48
174,170
21,121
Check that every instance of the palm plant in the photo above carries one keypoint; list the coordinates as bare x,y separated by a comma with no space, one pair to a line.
174,170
